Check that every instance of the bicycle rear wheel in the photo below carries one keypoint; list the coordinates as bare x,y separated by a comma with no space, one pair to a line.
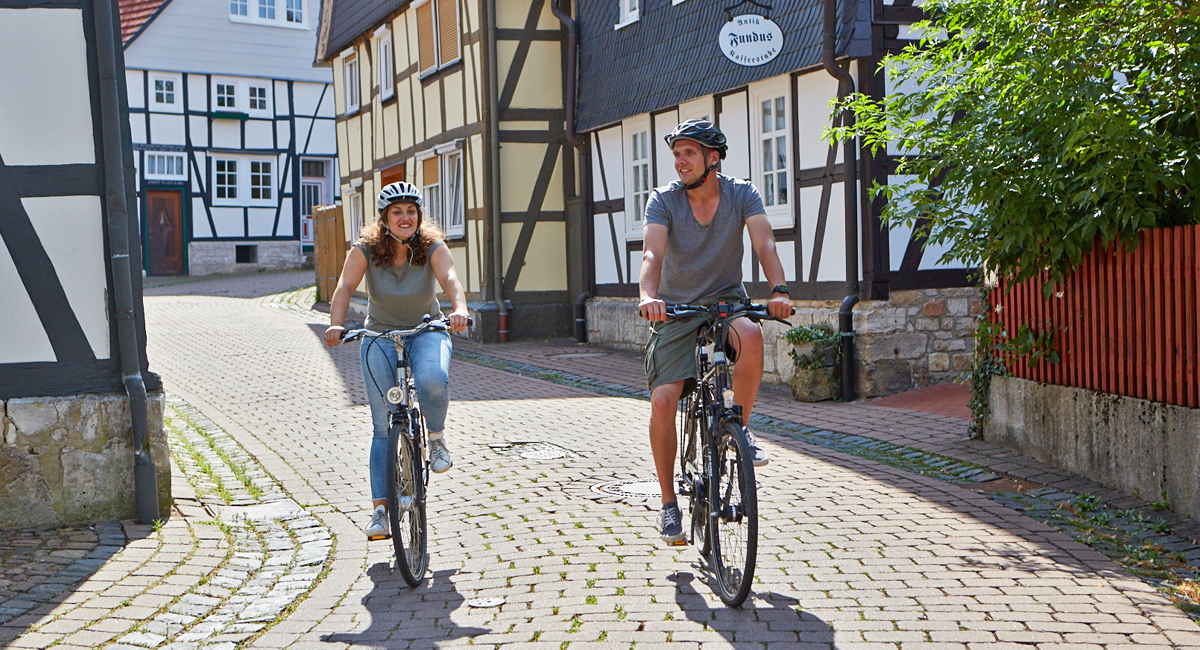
406,503
733,524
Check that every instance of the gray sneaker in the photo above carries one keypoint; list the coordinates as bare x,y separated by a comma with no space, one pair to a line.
670,525
378,526
439,456
757,455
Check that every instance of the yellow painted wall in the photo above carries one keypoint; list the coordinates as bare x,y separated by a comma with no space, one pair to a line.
455,114
520,164
546,261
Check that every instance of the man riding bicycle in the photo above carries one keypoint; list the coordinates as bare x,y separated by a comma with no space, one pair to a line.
692,253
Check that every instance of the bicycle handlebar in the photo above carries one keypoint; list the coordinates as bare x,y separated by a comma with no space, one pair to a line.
755,313
435,324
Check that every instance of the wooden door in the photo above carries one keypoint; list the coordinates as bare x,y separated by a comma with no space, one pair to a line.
165,253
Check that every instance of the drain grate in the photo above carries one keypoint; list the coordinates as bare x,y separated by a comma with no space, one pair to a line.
535,450
634,488
1005,485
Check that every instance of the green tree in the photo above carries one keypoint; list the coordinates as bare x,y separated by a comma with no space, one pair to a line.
1034,127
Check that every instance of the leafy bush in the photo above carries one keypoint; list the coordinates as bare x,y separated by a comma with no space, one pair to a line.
826,345
1041,126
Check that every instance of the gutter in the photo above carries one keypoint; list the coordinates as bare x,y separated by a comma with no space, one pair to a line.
493,117
145,480
850,181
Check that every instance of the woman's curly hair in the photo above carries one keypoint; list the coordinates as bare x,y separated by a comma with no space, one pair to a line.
383,247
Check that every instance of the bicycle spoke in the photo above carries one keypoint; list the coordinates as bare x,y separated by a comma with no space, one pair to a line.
735,520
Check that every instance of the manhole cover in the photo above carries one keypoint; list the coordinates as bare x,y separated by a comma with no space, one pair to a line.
1005,485
578,355
531,450
636,488
485,602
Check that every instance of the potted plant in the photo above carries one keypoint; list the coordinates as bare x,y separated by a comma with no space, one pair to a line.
815,352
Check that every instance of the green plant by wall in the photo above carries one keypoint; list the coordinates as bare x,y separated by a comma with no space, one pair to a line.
826,348
984,365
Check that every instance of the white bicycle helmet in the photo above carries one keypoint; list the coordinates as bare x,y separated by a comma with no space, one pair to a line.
396,192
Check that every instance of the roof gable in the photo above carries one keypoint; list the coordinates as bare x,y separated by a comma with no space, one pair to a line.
136,16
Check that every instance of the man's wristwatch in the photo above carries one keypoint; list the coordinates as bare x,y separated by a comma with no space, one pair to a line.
780,288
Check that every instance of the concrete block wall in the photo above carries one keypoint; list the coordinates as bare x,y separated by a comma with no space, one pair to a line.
69,460
913,339
209,257
1143,448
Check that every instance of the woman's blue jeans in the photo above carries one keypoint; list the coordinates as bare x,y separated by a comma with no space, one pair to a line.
429,364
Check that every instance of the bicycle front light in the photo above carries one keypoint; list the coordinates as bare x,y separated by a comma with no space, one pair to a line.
728,397
395,395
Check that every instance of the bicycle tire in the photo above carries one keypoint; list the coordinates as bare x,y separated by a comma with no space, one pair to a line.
409,526
691,470
733,520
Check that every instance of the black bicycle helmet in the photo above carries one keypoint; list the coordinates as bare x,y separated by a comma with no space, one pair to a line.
704,133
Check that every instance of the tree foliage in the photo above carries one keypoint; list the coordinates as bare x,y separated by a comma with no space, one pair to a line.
1034,128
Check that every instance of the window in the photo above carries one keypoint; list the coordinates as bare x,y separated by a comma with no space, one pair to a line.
453,221
356,216
295,11
628,13
437,34
245,254
226,96
350,81
313,168
387,75
260,180
266,9
431,187
237,7
226,179
640,170
165,166
774,186
258,98
442,186
164,91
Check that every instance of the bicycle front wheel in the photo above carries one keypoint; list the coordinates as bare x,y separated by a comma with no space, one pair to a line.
733,522
691,470
406,504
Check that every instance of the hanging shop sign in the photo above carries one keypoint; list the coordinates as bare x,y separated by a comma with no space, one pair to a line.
751,40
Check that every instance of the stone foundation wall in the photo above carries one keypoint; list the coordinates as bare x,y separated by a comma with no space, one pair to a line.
913,339
1147,449
209,257
69,460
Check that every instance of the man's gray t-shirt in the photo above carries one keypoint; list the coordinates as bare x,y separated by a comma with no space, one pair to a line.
702,261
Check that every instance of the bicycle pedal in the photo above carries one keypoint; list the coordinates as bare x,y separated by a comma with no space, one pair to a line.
378,537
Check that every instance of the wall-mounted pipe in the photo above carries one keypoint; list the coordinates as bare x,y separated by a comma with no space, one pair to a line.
572,66
493,109
850,181
145,478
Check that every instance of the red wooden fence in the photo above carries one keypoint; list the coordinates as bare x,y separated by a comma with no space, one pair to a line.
1123,322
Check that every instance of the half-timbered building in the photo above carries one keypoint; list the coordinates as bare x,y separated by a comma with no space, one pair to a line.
765,74
233,132
465,99
80,416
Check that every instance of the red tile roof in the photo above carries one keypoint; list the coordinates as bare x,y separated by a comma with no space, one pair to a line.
135,14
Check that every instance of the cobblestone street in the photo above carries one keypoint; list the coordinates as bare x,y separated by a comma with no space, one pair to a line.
271,429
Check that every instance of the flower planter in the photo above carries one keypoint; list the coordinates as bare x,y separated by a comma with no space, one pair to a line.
815,375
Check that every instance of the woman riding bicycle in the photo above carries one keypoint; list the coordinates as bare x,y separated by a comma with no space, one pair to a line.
401,257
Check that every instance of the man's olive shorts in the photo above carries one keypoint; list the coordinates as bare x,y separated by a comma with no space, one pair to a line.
671,350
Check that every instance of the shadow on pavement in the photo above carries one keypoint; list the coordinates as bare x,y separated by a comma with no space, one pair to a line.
400,613
784,622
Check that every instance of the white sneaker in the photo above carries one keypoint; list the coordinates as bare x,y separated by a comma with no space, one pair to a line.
405,502
757,455
378,528
439,456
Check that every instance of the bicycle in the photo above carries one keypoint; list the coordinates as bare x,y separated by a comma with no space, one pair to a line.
408,464
722,494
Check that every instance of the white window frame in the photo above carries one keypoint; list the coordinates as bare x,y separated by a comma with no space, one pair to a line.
280,8
387,63
638,172
217,186
454,222
175,94
350,82
162,156
355,217
435,7
266,98
628,12
252,175
780,215
231,94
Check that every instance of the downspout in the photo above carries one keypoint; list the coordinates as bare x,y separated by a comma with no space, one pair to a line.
494,161
850,181
145,480
573,138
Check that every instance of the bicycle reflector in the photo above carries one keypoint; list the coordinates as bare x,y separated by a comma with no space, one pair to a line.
723,309
395,395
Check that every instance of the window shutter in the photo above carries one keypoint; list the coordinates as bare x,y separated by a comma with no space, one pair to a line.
448,26
430,169
425,36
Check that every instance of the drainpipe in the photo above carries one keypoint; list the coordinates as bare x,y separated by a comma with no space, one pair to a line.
494,155
850,181
145,480
572,137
